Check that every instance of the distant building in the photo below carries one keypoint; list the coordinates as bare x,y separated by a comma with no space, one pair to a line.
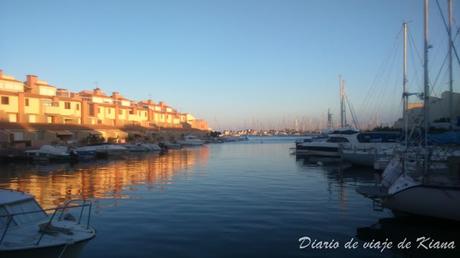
36,101
439,112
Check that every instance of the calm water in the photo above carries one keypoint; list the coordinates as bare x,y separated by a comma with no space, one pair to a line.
248,199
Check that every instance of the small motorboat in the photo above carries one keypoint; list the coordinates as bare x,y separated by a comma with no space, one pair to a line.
136,148
26,230
152,147
171,145
104,150
191,140
49,153
85,153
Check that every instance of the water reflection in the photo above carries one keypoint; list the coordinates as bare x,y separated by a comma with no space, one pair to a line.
52,184
341,183
340,178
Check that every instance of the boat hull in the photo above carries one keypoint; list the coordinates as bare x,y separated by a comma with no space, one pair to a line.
359,158
428,201
318,151
69,251
191,144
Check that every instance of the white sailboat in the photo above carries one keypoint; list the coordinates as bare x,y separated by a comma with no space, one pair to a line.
425,189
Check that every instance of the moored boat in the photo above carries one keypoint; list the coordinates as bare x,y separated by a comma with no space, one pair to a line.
104,150
49,153
28,231
191,140
364,147
326,146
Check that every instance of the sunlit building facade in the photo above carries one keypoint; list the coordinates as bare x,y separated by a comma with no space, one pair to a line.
36,101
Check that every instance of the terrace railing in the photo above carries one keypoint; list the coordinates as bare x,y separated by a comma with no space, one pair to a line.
61,210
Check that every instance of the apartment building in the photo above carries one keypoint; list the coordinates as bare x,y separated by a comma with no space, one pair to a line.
36,101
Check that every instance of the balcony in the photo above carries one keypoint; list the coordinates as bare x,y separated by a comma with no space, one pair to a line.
52,110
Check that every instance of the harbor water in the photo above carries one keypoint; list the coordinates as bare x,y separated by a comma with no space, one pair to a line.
242,199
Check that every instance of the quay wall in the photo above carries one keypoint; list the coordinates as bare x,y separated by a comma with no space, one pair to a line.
21,136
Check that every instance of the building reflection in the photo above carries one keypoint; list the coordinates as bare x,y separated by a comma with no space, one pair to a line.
53,184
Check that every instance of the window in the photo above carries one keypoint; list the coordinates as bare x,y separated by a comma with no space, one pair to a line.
45,102
67,105
27,205
120,111
109,110
55,104
131,112
32,119
5,100
337,139
26,102
98,110
77,106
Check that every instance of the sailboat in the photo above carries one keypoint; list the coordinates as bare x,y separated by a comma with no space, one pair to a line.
412,182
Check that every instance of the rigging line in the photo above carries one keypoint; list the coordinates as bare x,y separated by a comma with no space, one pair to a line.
412,40
447,29
415,75
414,68
392,110
384,83
383,67
433,85
353,115
414,50
382,93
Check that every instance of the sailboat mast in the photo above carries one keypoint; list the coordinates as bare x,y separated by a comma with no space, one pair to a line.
405,96
426,93
341,102
451,108
344,108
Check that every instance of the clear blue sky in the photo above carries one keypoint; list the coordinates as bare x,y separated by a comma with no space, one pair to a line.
235,63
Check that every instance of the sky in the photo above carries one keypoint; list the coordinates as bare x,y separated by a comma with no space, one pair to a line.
237,64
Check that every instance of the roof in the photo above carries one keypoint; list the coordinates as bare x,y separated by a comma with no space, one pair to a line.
10,196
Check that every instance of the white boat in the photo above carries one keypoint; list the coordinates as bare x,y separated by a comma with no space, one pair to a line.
152,147
326,147
406,189
49,152
26,230
104,150
142,147
136,147
191,140
364,147
171,145
85,152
